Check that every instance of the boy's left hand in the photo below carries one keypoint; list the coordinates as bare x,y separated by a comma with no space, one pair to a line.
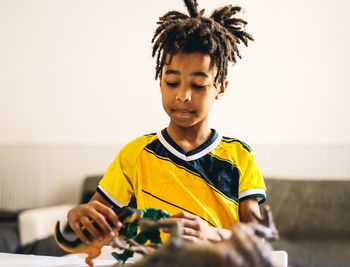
195,229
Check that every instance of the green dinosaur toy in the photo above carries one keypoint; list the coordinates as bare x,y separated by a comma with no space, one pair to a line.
130,219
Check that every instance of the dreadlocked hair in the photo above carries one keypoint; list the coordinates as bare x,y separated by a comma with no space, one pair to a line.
217,35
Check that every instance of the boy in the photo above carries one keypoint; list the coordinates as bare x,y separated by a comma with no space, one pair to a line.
205,180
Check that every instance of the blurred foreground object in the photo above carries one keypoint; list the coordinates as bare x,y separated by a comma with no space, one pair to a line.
245,247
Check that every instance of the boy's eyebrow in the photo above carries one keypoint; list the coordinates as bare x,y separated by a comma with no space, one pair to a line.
197,73
172,72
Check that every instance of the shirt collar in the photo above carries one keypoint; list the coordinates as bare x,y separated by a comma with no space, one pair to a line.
194,154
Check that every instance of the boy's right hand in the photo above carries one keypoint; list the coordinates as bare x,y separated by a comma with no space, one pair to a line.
83,217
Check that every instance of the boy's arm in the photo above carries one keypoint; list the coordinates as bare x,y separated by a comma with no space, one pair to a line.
96,210
101,199
246,208
196,230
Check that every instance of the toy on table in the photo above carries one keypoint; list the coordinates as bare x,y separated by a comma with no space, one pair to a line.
130,219
245,247
77,246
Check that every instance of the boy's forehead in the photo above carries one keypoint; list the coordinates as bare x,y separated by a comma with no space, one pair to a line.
194,61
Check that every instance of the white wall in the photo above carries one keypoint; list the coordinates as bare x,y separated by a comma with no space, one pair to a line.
79,72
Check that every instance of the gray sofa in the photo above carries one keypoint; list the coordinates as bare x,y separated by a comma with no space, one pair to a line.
10,225
313,218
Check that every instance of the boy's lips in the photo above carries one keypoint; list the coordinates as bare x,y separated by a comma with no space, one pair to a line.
183,111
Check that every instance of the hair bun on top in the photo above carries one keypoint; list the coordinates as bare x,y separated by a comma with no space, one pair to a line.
192,8
217,35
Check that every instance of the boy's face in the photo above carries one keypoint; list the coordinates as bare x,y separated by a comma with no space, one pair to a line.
188,89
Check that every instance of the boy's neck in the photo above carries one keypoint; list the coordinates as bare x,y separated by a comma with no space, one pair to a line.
189,138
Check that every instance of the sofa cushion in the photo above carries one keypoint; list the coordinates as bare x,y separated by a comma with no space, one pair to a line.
315,252
9,237
309,208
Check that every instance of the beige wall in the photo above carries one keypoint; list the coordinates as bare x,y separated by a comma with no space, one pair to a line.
45,175
79,73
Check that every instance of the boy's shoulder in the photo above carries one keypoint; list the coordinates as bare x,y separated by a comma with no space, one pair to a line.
139,143
234,144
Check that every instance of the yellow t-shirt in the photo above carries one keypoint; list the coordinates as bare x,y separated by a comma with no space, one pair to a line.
208,181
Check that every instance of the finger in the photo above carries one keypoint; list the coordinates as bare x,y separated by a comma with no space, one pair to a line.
187,231
108,213
95,211
88,225
77,229
102,223
190,239
191,223
184,215
188,227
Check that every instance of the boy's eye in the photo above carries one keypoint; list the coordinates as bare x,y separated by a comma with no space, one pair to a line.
196,86
172,84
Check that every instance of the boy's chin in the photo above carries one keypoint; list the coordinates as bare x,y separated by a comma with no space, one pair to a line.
183,123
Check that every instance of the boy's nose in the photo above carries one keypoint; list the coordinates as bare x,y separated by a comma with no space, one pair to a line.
183,95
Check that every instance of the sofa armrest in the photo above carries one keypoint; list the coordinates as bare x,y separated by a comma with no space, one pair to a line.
36,224
279,258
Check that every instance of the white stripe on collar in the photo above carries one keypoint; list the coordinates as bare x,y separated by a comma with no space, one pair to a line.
178,154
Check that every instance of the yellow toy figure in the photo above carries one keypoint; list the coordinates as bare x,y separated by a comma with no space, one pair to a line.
77,246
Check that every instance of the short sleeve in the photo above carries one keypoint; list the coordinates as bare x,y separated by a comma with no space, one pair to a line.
251,183
116,185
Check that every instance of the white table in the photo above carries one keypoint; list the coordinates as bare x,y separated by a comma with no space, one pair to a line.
78,260
71,260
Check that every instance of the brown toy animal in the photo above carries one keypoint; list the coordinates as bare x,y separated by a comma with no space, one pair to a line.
77,246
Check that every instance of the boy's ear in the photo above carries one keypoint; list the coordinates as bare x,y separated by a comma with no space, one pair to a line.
160,80
222,89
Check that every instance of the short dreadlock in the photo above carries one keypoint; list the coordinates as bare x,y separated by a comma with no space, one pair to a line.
217,35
